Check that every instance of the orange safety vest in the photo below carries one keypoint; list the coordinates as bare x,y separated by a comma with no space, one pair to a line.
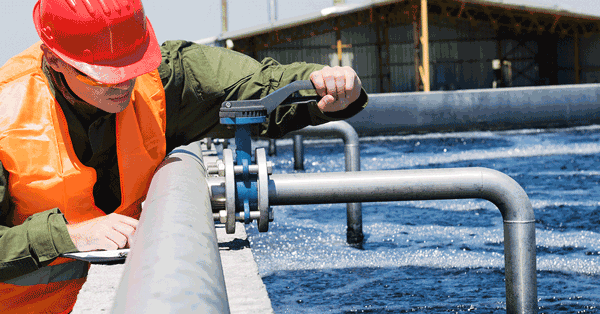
36,149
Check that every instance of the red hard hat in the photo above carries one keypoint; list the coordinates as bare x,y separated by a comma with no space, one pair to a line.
109,40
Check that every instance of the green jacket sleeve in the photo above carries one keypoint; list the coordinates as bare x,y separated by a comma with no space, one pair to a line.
198,79
33,244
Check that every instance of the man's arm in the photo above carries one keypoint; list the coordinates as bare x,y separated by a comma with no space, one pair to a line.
197,79
269,75
33,244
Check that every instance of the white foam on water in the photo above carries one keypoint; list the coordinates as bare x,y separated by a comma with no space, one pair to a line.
425,159
587,265
307,244
313,241
302,244
449,135
587,240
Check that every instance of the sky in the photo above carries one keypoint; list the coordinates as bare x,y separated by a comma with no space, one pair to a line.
198,19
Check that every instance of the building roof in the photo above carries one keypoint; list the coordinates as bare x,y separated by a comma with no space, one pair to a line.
573,8
576,8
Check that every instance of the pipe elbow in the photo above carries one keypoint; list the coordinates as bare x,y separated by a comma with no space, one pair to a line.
347,132
510,198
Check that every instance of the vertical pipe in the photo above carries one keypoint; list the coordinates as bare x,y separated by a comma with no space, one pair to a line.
354,231
416,48
174,265
338,41
383,49
224,16
380,55
386,36
272,7
576,55
298,152
425,45
272,147
520,269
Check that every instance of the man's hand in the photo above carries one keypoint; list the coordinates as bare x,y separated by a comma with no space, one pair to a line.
109,232
339,87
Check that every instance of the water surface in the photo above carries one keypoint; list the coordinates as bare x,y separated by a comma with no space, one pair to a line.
445,255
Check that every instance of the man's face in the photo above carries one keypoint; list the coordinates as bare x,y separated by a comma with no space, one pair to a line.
110,98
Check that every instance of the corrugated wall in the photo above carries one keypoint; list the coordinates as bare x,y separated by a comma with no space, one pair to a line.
316,49
590,59
461,55
363,56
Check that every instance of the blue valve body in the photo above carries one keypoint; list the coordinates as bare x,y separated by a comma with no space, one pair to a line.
244,114
246,186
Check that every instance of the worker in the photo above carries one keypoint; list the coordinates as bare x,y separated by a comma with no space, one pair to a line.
88,113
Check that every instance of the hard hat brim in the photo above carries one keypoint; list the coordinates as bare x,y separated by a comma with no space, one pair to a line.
146,58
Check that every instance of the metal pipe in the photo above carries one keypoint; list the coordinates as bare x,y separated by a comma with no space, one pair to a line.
428,184
354,232
479,109
298,152
175,265
272,147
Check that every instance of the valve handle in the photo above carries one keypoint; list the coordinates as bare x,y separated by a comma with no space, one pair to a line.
277,97
253,108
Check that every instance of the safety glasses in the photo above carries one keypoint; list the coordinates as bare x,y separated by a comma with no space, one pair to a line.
90,81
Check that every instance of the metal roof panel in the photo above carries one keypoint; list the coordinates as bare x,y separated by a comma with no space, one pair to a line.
575,8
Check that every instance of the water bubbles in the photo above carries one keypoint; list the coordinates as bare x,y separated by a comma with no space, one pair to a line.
454,246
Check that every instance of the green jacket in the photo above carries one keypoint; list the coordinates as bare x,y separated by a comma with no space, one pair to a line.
196,79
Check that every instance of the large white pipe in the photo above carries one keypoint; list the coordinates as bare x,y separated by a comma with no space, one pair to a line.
174,265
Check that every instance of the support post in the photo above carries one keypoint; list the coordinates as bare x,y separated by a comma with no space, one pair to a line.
421,46
424,68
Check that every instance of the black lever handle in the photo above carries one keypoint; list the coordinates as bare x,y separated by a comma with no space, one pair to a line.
268,103
277,97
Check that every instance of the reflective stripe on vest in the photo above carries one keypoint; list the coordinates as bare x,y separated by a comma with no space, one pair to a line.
54,273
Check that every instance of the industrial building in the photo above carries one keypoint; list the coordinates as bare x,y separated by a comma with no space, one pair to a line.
471,44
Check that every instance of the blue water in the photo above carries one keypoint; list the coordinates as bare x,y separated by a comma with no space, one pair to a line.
445,255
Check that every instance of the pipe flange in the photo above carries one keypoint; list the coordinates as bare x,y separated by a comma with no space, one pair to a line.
263,190
229,191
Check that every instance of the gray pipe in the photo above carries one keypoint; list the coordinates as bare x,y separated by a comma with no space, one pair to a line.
479,109
428,184
272,147
354,232
175,265
346,132
298,152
